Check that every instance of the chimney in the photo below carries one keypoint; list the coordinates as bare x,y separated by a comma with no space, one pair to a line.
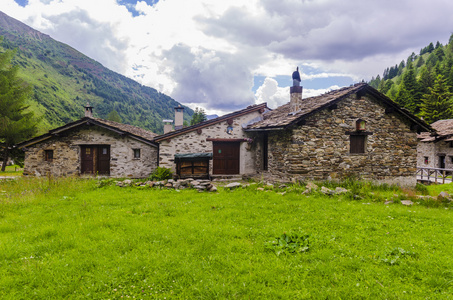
168,126
179,113
296,92
88,110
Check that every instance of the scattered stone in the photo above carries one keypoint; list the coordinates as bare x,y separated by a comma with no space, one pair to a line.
444,196
283,186
327,191
168,185
311,186
388,202
158,183
340,190
213,188
170,181
232,185
127,182
306,192
260,189
194,183
269,185
120,183
407,202
199,187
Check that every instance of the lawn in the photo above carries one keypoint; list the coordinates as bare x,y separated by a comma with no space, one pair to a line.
74,239
12,171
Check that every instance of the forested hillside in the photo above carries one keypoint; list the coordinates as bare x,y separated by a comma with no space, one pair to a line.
423,83
64,79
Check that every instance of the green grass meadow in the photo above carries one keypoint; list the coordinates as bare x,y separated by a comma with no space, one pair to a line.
75,239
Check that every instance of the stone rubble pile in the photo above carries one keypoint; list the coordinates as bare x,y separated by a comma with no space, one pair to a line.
180,184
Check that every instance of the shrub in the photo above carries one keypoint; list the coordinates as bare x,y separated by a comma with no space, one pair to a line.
161,173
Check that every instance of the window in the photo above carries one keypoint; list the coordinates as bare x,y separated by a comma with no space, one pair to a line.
48,155
426,160
136,153
357,143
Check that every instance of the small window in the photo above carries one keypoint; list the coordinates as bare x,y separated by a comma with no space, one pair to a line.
136,153
48,155
357,143
426,158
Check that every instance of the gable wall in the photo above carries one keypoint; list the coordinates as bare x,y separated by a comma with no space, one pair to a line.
192,142
320,149
67,154
432,151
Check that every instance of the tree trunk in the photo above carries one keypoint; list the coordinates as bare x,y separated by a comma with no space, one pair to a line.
5,158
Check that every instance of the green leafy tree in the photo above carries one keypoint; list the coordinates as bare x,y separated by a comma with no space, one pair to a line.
198,116
437,104
16,122
114,116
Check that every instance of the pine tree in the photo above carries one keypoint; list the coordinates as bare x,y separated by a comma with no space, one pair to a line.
437,104
198,116
403,98
16,123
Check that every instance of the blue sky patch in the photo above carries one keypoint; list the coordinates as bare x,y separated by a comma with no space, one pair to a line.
22,3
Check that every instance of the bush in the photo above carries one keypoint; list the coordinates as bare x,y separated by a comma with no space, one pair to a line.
161,173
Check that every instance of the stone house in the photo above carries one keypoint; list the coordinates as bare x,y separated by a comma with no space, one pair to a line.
354,131
92,146
189,151
435,150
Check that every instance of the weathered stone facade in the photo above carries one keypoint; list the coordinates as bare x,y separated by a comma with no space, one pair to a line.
320,148
197,141
429,154
67,155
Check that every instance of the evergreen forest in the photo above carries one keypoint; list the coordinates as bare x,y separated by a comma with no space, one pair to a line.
423,83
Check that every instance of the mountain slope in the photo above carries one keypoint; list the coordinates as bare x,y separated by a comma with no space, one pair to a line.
65,79
409,82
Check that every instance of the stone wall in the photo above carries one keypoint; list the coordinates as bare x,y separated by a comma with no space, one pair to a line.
194,142
320,148
433,151
66,154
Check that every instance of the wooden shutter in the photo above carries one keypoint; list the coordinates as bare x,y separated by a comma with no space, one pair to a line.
357,143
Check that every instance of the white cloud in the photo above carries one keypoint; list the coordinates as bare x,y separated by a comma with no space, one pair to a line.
271,93
206,52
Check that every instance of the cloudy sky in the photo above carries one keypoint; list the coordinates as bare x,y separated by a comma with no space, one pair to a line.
224,55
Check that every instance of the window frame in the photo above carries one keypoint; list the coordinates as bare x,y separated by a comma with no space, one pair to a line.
135,152
48,155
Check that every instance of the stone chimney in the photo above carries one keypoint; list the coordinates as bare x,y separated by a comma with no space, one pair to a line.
168,126
179,114
296,92
88,110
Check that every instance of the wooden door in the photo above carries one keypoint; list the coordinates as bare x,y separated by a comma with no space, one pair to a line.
225,158
442,162
103,163
95,159
87,160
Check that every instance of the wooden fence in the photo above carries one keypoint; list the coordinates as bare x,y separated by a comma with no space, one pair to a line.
436,175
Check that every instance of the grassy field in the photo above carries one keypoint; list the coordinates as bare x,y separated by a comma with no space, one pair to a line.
13,170
74,239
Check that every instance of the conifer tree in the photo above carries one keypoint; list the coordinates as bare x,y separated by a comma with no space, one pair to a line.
198,116
16,123
437,104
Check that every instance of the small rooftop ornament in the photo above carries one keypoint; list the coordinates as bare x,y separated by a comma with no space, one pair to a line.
296,77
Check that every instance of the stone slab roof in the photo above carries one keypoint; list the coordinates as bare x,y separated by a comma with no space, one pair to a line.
443,128
143,135
282,117
252,108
